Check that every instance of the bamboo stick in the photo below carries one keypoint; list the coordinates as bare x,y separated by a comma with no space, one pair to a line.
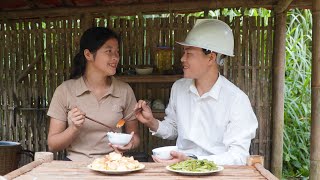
267,174
268,92
40,158
278,75
315,94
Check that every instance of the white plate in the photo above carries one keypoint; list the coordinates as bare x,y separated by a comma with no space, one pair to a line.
191,173
116,171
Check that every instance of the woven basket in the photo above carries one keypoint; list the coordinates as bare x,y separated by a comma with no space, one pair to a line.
9,156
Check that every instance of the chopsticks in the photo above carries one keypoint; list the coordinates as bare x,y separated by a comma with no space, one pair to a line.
136,110
98,122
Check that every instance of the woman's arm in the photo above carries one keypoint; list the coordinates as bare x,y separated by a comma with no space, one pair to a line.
60,136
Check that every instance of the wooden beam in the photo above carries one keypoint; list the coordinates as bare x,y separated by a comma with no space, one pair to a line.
98,2
32,4
278,77
282,6
315,93
145,8
67,3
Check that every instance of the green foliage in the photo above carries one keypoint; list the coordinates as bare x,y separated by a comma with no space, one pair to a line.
297,94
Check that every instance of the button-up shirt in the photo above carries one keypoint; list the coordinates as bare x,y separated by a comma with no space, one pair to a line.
218,125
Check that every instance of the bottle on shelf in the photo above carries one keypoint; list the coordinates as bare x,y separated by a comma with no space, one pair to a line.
163,59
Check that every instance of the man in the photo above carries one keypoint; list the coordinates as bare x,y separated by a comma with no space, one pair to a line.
210,117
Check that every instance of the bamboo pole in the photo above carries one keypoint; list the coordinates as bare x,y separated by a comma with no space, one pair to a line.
40,158
278,75
315,94
86,21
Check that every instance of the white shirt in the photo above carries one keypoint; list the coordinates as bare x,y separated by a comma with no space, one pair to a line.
218,125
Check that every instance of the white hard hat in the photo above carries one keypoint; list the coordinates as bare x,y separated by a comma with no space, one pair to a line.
211,34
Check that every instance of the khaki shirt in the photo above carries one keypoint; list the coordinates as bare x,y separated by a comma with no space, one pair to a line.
92,141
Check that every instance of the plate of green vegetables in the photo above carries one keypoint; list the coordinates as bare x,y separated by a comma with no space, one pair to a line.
195,167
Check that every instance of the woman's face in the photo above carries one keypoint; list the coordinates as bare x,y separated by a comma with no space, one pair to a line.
194,62
106,58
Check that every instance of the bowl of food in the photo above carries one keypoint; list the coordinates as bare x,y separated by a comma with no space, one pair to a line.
120,139
144,70
164,152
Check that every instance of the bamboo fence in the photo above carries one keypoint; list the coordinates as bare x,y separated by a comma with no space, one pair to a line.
36,56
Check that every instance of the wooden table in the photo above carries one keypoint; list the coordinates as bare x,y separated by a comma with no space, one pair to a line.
155,171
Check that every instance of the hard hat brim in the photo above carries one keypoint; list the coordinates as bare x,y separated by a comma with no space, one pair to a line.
187,44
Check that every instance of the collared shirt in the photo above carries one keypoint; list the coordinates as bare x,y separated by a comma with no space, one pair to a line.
218,125
92,141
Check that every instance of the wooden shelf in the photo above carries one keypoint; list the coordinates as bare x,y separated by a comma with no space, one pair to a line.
149,78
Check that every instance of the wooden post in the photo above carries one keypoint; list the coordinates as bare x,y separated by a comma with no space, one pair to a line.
282,5
253,159
278,75
86,21
315,94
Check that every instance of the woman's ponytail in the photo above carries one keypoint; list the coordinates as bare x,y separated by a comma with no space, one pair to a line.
78,66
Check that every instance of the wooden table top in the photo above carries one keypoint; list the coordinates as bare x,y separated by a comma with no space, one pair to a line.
79,170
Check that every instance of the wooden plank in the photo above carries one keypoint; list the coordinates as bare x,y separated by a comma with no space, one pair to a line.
133,8
149,78
63,169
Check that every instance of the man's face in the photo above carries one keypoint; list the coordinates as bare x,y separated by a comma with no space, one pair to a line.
194,62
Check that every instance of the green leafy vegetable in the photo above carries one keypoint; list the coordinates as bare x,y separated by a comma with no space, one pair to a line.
194,165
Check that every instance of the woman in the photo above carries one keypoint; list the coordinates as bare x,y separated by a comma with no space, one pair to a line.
94,92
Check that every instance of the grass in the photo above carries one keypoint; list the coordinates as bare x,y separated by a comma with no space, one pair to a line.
297,95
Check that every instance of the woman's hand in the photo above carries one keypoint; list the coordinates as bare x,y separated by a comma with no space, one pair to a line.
77,117
177,157
122,149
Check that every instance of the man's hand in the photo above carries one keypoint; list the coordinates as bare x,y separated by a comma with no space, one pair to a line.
145,116
177,157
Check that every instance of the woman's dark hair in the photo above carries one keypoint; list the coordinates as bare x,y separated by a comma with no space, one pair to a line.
92,39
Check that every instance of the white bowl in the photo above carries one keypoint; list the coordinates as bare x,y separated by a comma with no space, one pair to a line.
120,139
164,152
144,70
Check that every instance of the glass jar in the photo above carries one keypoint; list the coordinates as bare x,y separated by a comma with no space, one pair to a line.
163,59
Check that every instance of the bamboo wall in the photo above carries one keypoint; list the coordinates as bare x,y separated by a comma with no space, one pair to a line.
36,54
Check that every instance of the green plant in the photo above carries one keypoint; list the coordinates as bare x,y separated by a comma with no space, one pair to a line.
297,94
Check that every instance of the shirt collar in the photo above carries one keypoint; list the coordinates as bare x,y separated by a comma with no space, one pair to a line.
113,90
81,87
214,92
